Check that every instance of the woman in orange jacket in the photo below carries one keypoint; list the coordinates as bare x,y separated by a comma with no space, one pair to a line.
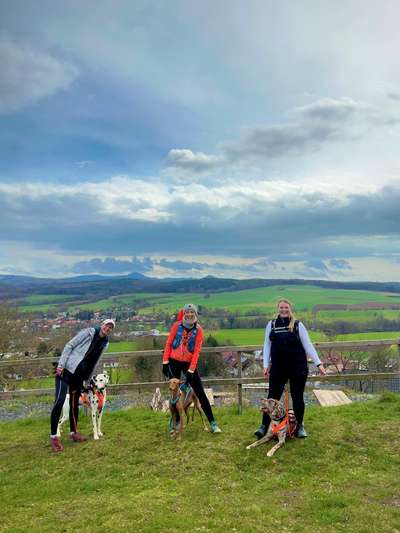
181,354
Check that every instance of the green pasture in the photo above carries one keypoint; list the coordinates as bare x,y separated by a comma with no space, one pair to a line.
47,298
123,346
344,477
43,302
365,315
264,299
256,337
260,301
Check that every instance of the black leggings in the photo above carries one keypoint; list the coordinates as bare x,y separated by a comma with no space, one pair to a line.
176,368
66,383
297,383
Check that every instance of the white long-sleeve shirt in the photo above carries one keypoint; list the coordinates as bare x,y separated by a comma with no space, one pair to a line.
305,341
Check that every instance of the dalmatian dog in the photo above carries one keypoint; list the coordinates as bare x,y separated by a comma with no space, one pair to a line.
94,398
283,424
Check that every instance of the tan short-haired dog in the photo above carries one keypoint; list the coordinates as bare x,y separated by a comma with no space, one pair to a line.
181,398
282,424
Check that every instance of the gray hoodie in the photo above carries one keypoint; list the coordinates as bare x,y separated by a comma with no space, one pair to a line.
76,349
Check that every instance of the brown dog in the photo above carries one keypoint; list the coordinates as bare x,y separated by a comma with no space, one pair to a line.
181,398
282,424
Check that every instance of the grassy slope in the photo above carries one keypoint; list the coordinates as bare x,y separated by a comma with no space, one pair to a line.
137,479
304,298
256,337
264,299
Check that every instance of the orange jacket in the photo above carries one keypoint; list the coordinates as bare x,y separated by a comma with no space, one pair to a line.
181,353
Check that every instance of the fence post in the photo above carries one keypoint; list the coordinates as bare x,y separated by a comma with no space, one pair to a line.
239,386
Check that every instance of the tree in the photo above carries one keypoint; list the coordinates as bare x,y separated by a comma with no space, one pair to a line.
8,327
382,360
211,341
144,367
42,348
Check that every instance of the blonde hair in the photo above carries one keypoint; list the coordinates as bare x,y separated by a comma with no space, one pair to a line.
291,314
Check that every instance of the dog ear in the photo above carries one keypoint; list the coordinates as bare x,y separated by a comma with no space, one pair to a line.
281,410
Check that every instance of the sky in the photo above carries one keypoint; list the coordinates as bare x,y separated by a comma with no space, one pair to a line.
186,139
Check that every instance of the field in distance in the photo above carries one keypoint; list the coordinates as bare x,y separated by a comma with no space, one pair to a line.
261,300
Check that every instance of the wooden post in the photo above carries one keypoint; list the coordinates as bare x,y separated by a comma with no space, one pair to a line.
239,386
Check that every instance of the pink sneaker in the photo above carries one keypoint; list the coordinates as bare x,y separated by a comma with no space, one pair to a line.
77,437
56,445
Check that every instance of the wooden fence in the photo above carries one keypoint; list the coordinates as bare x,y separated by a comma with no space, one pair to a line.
238,381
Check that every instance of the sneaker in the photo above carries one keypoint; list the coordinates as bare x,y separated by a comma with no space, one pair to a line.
214,427
261,432
301,432
171,429
56,445
77,437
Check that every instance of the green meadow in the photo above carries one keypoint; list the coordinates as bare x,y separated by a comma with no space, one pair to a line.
344,477
304,298
256,337
261,300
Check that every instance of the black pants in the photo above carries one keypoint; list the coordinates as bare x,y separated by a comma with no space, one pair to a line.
176,368
71,383
297,383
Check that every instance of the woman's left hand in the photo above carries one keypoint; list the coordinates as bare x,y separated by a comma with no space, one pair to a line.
322,370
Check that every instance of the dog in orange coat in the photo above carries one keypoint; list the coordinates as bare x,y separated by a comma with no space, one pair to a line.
283,424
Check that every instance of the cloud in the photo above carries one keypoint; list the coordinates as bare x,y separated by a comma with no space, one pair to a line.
394,95
276,220
329,109
316,264
185,163
29,75
309,129
182,265
145,265
340,264
110,265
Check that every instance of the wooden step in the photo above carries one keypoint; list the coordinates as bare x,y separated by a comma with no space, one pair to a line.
326,398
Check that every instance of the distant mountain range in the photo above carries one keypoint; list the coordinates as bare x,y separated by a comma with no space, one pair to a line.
98,286
5,278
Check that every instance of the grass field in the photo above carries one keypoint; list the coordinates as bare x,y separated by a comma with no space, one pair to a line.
344,477
256,337
261,300
264,299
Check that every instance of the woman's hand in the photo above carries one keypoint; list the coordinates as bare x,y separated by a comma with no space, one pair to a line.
322,370
165,369
59,371
266,372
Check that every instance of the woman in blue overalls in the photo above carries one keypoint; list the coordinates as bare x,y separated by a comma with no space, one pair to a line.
286,348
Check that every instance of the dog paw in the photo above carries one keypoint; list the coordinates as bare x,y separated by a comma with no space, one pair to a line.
95,437
101,435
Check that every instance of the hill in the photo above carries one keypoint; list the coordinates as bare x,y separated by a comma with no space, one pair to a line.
137,479
90,287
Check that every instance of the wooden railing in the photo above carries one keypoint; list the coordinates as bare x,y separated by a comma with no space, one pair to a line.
237,381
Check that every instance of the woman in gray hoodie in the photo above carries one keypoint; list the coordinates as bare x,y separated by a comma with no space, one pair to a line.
76,365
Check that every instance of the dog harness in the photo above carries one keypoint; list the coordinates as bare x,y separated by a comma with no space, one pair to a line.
286,421
100,398
184,388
